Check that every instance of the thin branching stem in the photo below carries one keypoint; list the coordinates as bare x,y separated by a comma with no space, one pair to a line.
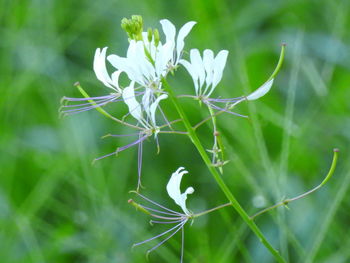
174,132
288,200
210,210
169,123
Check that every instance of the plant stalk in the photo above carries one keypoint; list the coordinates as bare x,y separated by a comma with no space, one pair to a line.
195,140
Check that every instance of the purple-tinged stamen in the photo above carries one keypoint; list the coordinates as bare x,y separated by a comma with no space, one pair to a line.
121,135
213,106
162,242
68,99
93,102
84,106
156,204
162,234
165,222
141,139
164,117
139,161
229,100
158,211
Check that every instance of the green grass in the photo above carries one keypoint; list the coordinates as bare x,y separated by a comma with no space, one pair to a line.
55,206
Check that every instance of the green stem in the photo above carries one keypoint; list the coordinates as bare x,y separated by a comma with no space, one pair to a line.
287,201
194,138
210,210
218,145
279,63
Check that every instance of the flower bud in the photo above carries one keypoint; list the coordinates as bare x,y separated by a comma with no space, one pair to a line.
156,37
133,27
149,34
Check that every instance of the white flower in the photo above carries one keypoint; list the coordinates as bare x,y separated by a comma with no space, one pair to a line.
146,62
170,32
165,216
136,109
206,70
136,64
173,189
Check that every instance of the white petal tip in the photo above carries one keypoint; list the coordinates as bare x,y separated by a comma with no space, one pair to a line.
189,190
261,91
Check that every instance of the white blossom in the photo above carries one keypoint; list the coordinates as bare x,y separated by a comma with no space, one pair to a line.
206,70
147,120
174,191
175,49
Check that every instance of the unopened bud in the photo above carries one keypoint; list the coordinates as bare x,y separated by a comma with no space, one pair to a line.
149,34
156,37
133,27
137,19
124,23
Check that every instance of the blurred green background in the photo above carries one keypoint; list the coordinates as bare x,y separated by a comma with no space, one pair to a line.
55,206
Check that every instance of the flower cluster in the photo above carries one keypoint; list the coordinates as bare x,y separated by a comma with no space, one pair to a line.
147,63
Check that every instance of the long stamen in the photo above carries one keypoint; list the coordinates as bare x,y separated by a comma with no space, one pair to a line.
69,99
87,106
159,235
182,217
139,161
98,102
121,135
225,110
158,211
123,148
165,118
180,226
229,100
156,204
165,222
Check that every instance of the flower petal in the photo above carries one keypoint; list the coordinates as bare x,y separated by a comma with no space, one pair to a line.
115,80
184,31
219,65
261,91
189,67
198,66
169,30
100,67
123,64
208,62
164,55
173,189
132,103
154,105
146,101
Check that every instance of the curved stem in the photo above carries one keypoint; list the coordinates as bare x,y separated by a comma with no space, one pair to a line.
287,201
236,205
279,63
